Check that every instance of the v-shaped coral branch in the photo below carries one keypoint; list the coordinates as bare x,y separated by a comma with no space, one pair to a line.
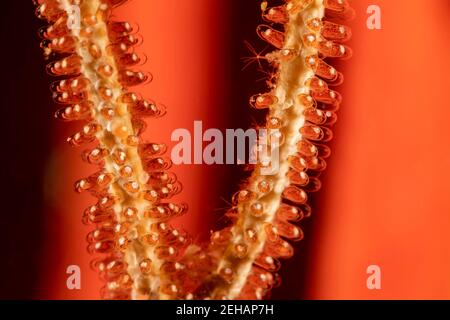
132,186
143,257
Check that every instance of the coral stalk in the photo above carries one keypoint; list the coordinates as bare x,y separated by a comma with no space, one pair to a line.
132,185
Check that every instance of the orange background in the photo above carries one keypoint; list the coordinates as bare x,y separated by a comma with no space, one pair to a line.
385,197
385,200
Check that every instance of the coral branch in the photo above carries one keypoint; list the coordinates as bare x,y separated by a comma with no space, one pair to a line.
302,108
132,185
142,256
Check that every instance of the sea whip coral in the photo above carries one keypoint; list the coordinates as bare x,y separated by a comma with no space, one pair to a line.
142,256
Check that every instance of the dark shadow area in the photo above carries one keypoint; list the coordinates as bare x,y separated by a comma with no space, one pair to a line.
25,131
244,16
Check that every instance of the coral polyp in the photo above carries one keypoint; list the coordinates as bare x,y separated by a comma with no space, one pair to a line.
138,253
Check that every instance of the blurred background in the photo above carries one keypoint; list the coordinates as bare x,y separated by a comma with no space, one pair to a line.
385,196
